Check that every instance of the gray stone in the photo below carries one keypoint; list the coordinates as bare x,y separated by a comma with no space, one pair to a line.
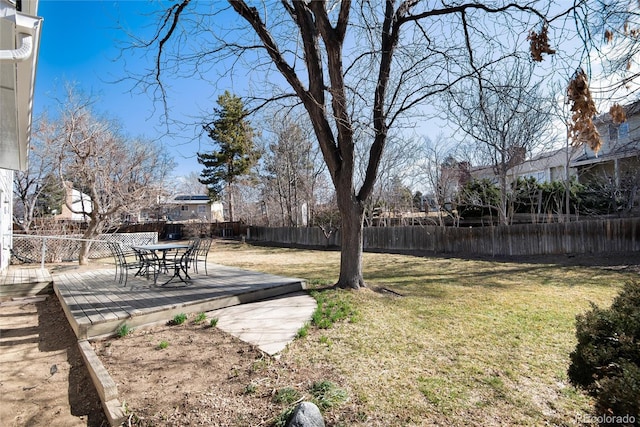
306,414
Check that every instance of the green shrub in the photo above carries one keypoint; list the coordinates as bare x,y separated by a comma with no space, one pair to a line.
201,317
250,388
163,344
213,322
606,360
123,330
325,340
282,419
179,319
303,331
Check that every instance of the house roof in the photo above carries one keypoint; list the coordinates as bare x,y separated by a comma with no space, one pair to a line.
19,45
189,199
192,197
630,109
617,150
624,151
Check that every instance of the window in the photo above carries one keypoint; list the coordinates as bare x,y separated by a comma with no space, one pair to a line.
613,132
202,209
623,130
618,132
184,208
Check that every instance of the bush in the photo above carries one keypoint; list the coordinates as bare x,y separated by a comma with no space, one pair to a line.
606,361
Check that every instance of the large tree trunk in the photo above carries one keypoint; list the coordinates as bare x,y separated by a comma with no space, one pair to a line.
352,214
93,229
230,200
85,246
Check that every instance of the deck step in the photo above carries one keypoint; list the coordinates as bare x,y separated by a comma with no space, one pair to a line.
22,281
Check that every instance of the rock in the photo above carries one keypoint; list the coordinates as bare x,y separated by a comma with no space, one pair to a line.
306,414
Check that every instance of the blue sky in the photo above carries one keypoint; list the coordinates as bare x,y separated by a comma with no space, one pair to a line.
80,43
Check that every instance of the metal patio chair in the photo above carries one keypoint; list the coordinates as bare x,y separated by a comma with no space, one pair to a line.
180,264
143,262
202,252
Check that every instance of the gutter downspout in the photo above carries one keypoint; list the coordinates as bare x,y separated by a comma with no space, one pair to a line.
20,54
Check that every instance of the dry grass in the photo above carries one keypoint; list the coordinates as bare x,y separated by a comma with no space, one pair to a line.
467,342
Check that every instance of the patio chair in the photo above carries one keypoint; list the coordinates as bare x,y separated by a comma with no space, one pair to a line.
143,262
181,264
202,252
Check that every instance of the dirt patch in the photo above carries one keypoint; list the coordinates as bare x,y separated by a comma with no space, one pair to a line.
194,374
203,376
43,379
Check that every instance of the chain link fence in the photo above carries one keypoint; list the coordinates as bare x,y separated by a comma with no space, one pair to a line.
29,248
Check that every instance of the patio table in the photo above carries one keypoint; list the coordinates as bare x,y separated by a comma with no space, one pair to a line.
163,248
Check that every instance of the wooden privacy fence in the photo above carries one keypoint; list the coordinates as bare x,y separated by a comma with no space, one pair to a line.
595,236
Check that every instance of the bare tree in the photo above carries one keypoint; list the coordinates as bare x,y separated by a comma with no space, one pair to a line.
289,173
357,68
119,175
395,172
507,116
442,174
189,184
37,183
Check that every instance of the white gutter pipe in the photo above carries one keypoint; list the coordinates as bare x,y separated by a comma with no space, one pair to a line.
20,54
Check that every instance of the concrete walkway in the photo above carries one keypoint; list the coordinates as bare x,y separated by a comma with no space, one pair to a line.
270,324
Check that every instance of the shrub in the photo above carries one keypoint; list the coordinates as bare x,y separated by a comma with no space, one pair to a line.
606,360
303,331
123,330
179,319
201,317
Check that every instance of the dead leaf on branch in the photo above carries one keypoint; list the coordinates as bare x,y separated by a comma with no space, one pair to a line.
608,36
618,115
539,44
582,130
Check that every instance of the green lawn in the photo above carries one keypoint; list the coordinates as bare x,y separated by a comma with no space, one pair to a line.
456,342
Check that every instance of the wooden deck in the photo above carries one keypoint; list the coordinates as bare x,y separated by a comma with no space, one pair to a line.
24,281
96,305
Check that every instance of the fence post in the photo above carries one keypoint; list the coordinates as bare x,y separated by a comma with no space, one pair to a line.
44,252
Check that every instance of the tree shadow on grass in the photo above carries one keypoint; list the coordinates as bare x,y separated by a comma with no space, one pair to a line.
629,260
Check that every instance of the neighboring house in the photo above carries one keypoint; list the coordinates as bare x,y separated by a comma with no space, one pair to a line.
453,176
619,154
483,172
193,208
545,167
615,168
620,151
19,43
